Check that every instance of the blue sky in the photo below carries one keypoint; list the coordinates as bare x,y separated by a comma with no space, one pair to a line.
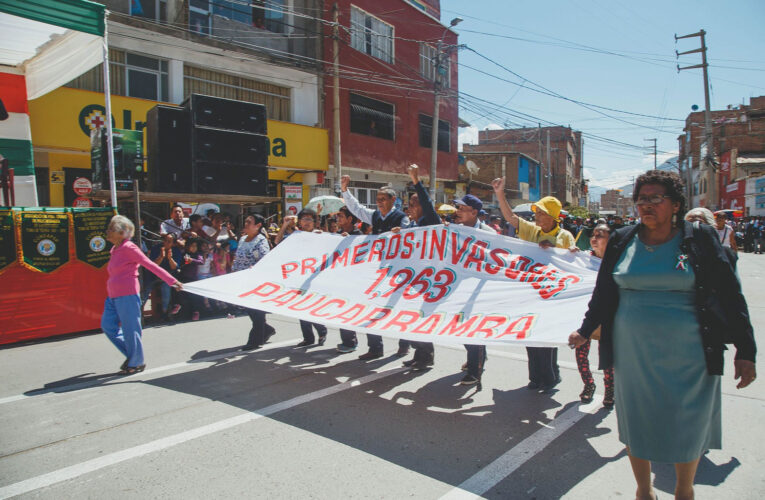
612,53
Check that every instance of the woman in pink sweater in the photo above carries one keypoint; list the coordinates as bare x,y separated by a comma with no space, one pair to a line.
121,320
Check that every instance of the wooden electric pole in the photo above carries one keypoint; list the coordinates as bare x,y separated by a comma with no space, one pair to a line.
336,95
708,160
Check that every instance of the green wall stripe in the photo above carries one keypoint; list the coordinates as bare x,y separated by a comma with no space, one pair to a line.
19,155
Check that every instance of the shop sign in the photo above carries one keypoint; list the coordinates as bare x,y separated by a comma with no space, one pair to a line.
57,177
293,198
66,117
44,240
82,186
90,236
81,202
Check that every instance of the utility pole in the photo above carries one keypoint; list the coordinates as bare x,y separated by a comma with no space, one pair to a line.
336,96
549,169
708,160
541,163
434,131
654,152
436,88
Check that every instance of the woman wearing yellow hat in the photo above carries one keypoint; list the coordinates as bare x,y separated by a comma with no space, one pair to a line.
544,373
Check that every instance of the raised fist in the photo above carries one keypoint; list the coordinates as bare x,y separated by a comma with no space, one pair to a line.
414,173
344,182
498,184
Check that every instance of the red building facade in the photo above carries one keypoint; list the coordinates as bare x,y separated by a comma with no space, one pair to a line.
386,51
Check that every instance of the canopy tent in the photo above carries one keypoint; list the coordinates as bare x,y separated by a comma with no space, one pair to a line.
45,44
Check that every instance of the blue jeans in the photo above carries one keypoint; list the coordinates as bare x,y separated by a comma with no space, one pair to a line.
121,323
165,292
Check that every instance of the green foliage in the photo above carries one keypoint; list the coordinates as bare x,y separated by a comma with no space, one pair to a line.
579,212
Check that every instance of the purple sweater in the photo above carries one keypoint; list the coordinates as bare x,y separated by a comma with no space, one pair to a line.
123,270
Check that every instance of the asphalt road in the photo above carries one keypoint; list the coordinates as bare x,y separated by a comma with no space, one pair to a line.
207,421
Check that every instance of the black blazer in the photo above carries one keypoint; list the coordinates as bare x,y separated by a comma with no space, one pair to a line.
720,306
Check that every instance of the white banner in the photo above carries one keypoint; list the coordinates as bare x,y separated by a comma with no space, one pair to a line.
443,284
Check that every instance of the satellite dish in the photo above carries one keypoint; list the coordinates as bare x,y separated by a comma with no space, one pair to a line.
695,107
472,167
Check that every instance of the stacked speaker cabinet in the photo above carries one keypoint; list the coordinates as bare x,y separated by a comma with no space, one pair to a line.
211,145
229,145
168,144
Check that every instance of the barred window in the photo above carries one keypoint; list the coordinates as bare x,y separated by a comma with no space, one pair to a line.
213,83
372,117
371,35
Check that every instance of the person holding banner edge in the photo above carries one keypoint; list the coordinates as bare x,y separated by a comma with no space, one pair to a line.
544,372
121,320
421,213
306,221
468,208
346,223
598,242
382,220
667,300
252,247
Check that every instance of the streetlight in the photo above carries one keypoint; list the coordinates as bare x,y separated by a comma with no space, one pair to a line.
434,133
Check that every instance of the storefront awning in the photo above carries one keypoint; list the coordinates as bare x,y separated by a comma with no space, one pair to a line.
50,41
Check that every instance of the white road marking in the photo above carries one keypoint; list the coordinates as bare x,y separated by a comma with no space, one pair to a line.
194,364
502,467
95,464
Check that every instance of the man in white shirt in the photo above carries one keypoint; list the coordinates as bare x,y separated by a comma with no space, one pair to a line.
382,220
176,224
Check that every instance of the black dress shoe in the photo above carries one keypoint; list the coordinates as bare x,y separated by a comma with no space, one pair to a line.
305,343
249,347
371,355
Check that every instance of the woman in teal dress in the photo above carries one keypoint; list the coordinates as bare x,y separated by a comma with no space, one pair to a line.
668,300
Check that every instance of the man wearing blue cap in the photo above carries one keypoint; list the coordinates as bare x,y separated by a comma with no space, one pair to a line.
468,208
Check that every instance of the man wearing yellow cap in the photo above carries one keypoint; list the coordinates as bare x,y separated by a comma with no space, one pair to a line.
543,361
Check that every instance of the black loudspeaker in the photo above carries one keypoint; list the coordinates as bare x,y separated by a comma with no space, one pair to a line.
216,146
168,144
217,112
232,179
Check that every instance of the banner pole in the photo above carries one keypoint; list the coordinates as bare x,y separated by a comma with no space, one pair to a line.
108,118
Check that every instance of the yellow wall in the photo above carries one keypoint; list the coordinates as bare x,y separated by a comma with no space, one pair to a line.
61,121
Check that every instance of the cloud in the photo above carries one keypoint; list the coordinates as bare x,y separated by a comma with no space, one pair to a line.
469,135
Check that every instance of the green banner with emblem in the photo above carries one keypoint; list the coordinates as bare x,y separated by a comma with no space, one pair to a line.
44,240
90,241
7,239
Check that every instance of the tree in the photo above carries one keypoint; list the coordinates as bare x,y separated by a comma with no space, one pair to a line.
578,212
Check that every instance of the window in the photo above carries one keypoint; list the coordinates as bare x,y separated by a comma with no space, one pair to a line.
201,81
426,133
146,77
150,9
366,196
131,75
199,16
428,65
371,36
372,117
269,15
234,10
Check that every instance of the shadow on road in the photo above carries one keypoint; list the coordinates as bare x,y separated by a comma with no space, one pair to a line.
441,429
